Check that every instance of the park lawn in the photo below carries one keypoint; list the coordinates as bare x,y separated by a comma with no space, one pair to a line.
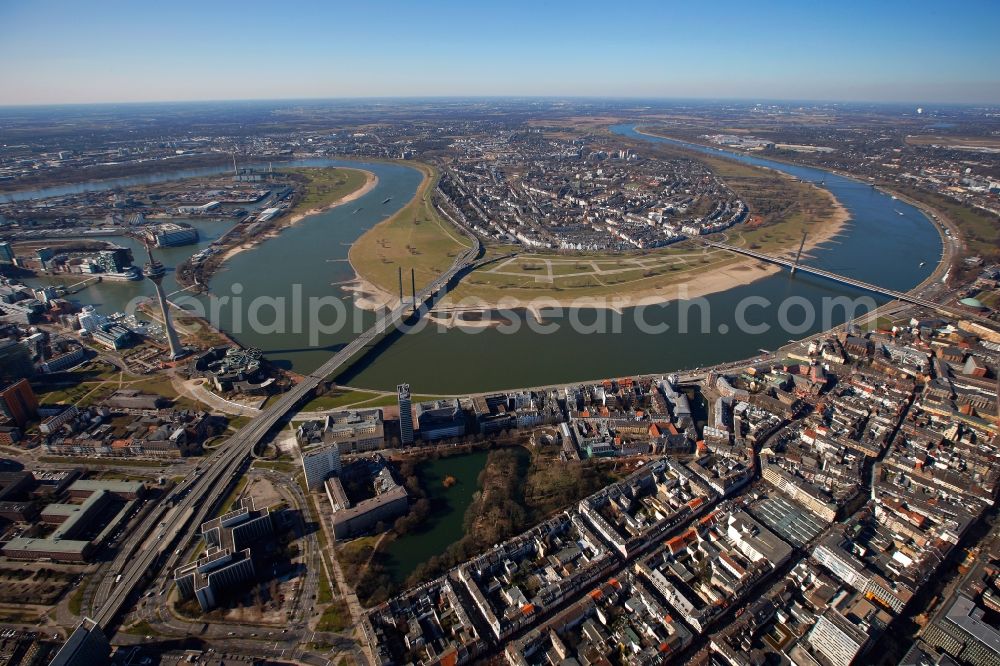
82,395
113,462
337,398
668,272
237,422
414,238
880,323
324,594
335,617
277,465
980,229
75,603
390,399
161,386
95,370
325,186
143,628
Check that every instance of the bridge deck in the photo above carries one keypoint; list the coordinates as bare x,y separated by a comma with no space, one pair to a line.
874,288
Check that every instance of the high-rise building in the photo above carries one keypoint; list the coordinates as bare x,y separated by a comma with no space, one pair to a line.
18,403
405,414
226,565
319,463
834,637
6,253
45,254
155,271
15,360
87,646
90,319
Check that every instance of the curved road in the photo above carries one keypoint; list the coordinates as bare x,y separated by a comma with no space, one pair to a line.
189,504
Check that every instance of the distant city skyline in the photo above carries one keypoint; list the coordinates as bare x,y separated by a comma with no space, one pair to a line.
62,52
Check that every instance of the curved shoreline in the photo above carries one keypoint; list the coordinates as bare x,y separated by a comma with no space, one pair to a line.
368,296
938,220
365,294
371,181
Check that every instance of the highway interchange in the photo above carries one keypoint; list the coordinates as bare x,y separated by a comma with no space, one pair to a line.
154,545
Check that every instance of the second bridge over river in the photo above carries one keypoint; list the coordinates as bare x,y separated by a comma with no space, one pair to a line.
794,265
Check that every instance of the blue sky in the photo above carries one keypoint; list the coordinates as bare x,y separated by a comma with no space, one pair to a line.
112,51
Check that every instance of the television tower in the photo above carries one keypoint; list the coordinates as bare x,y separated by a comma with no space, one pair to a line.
155,271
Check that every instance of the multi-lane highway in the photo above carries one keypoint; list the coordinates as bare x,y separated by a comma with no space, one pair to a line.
152,547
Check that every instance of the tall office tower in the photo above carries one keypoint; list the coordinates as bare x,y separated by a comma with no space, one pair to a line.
87,646
7,254
18,403
405,414
320,462
155,271
15,360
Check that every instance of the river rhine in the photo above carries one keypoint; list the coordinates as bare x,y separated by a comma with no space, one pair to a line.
885,243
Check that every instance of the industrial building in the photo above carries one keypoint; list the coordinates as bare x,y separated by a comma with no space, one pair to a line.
172,234
70,541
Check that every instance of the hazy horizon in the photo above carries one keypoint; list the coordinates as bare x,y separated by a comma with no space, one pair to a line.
550,98
116,52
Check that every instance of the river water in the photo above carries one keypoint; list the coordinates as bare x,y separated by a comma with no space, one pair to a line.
884,243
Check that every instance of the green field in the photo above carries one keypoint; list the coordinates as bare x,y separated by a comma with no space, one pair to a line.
335,617
356,399
570,276
415,237
325,186
337,398
980,229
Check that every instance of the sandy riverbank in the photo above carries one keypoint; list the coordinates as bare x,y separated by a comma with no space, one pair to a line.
371,180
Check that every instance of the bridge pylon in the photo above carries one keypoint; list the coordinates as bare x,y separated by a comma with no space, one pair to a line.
795,264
